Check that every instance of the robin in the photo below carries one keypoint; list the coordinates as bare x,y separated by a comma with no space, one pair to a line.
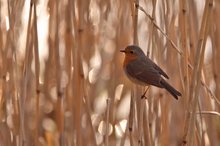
142,70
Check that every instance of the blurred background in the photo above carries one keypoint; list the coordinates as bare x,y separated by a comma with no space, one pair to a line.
62,81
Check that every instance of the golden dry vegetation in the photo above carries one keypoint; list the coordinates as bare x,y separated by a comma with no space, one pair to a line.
62,82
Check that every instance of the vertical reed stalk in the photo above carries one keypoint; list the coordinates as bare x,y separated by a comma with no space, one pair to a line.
37,72
195,84
108,102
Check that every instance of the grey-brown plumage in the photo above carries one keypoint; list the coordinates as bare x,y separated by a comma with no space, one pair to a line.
142,70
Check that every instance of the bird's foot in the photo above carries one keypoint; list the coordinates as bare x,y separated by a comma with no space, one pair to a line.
144,95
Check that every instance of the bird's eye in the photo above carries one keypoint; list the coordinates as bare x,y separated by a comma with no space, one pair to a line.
131,52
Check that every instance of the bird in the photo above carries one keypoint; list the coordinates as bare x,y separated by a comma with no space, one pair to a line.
141,70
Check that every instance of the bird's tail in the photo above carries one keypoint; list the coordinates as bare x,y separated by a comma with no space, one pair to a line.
170,89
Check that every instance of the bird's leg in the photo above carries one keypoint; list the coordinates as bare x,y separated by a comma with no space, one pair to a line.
144,95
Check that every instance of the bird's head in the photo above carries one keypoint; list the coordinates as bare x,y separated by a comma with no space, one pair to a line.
133,51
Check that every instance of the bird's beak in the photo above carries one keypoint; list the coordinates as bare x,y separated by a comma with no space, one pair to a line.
123,51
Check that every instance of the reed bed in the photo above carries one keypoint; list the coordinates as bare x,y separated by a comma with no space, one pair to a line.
62,81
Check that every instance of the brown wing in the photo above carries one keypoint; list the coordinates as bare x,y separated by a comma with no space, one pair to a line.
157,68
144,71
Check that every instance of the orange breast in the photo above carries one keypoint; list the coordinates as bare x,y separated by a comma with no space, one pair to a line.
129,58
